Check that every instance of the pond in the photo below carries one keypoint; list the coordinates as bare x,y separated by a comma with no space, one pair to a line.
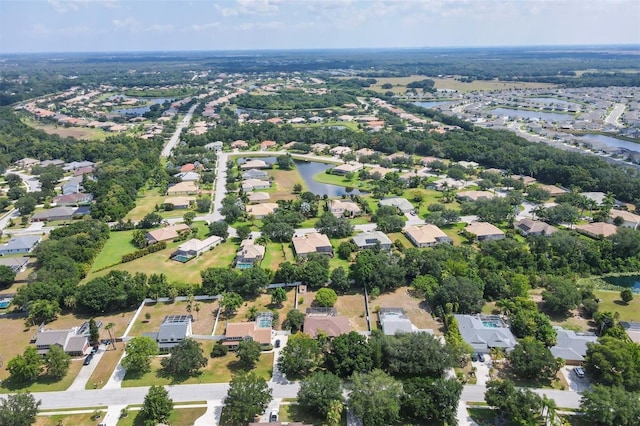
531,115
552,101
611,141
309,169
138,111
431,104
631,281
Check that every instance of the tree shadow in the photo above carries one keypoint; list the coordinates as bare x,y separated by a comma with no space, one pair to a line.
15,385
175,379
620,303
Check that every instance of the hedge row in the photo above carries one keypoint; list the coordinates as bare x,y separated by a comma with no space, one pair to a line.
145,251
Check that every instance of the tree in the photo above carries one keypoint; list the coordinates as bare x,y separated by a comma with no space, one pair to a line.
531,359
318,392
561,295
94,332
18,409
278,296
248,353
243,231
462,292
435,400
326,297
188,218
139,349
26,205
203,205
294,320
610,406
230,302
375,397
334,227
285,162
219,350
186,359
300,356
109,327
297,188
281,232
57,362
614,362
314,274
344,250
157,406
520,406
26,367
43,311
220,229
248,396
7,276
339,281
415,355
626,295
138,238
349,353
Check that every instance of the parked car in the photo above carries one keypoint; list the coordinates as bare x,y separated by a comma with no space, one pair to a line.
273,417
277,343
474,357
579,372
88,359
481,357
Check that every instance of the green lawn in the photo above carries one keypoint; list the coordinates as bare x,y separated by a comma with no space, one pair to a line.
179,417
610,301
324,177
118,244
44,384
68,419
218,370
351,125
275,254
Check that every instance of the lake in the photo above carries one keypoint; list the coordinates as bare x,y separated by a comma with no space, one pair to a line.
431,104
553,101
611,141
309,169
632,281
138,111
531,115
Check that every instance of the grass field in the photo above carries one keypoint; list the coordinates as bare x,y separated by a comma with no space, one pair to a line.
118,244
324,177
294,413
352,306
275,254
203,323
351,125
45,384
414,307
66,419
218,370
610,301
400,236
74,132
105,368
179,417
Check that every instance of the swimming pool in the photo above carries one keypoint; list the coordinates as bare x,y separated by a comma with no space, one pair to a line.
489,324
5,304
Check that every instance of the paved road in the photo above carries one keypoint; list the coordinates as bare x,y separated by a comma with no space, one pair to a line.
166,151
32,183
615,114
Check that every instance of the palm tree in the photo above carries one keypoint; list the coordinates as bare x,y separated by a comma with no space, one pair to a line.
548,411
197,309
108,327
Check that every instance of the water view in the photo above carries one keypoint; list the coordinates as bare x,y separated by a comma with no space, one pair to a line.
309,169
138,111
553,101
531,115
632,282
431,104
611,141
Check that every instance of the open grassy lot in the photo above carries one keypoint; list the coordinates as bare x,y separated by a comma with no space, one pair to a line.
179,417
44,383
352,306
415,308
15,338
324,177
275,254
218,370
453,232
481,85
105,368
62,131
283,182
294,413
262,303
120,322
67,419
610,301
160,263
145,203
400,236
501,370
351,125
118,244
203,323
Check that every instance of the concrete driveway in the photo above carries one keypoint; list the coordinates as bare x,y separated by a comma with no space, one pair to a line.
87,370
576,384
482,370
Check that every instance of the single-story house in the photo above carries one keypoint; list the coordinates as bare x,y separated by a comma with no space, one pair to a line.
364,152
183,188
571,346
55,162
527,180
331,325
19,245
484,231
188,176
340,150
553,190
447,183
370,239
255,174
16,264
320,147
195,247
534,227
253,184
72,341
345,168
314,242
253,330
380,171
254,164
264,145
72,199
597,229
258,197
189,167
83,171
180,202
173,330
249,254
629,220
475,195
484,332
214,146
261,210
56,213
401,204
395,320
73,186
239,144
427,235
27,163
341,208
167,233
75,165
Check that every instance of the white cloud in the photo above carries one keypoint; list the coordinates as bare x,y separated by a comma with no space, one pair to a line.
204,27
64,6
80,29
161,28
39,29
250,7
273,25
129,23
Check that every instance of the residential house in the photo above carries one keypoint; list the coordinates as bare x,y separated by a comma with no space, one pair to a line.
72,199
325,320
249,254
597,229
27,163
258,197
167,233
173,330
484,332
16,264
180,202
447,183
183,188
319,147
253,184
255,174
83,171
73,341
259,211
553,190
371,239
527,180
484,231
340,208
395,320
194,247
214,146
475,195
267,144
314,242
629,220
427,235
56,213
340,150
19,245
256,330
75,165
401,204
571,346
364,152
72,186
239,144
380,171
188,176
47,163
254,164
345,168
189,167
534,227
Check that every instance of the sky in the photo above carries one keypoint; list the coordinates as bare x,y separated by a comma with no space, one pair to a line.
169,25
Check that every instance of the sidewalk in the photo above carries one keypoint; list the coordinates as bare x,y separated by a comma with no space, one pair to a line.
211,417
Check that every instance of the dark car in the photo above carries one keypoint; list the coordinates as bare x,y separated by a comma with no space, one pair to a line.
88,359
481,357
277,343
474,357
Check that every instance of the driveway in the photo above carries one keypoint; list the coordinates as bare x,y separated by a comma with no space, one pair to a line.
278,376
482,370
464,419
87,370
576,384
